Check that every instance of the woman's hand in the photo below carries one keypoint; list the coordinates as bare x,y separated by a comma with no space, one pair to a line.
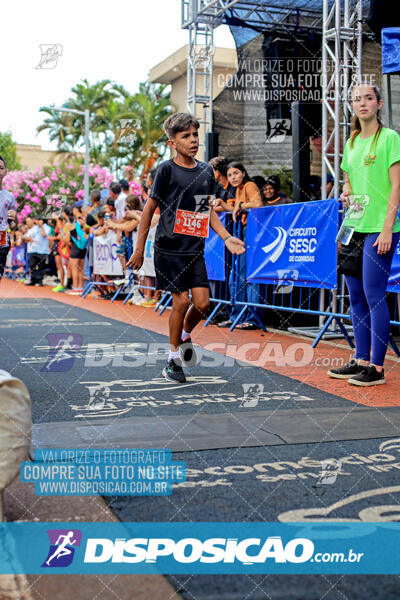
384,242
345,198
236,212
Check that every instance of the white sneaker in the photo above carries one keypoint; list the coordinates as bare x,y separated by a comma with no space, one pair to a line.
136,298
121,281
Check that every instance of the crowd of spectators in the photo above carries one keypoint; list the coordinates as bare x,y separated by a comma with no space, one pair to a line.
60,246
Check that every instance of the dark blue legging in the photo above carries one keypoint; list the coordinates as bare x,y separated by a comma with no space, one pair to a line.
370,313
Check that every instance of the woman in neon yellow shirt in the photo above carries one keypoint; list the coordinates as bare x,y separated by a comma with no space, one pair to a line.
371,192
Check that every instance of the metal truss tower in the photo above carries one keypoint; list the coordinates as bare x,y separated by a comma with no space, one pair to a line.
201,17
341,62
200,24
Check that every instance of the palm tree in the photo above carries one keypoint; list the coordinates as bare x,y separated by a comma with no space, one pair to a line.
68,129
124,129
152,106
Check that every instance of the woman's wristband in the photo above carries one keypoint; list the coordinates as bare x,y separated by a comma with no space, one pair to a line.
227,238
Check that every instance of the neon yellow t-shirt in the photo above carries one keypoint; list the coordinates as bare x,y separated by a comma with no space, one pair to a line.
367,166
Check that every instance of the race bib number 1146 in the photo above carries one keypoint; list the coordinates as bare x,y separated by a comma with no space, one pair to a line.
191,223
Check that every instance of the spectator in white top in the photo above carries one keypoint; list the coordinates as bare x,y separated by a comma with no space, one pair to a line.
119,198
38,248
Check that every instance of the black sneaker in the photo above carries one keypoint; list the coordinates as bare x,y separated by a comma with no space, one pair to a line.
352,368
188,353
368,376
173,372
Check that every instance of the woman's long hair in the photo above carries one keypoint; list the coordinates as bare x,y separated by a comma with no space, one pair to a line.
239,167
356,125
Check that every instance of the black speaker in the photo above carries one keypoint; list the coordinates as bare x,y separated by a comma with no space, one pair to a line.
301,153
383,13
290,70
211,145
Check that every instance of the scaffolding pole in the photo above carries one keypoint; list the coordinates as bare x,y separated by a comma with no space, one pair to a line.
341,63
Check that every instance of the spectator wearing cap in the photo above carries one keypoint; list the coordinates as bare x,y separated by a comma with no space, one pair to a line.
272,195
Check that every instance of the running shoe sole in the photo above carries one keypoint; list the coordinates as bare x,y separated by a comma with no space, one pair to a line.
188,354
366,383
338,376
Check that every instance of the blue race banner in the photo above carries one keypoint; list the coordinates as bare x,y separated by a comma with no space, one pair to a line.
214,254
293,243
390,50
199,548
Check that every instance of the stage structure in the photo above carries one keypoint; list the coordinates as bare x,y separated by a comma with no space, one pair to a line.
341,48
339,21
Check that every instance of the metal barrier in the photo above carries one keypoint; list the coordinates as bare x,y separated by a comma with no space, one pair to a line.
246,300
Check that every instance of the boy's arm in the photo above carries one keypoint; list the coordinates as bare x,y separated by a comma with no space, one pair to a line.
136,260
234,245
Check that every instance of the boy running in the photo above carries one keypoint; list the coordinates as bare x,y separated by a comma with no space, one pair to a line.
182,189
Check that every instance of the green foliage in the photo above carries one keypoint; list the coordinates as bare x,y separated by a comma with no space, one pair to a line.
8,149
125,129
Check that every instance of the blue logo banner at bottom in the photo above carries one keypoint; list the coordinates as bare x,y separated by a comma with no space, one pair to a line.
200,548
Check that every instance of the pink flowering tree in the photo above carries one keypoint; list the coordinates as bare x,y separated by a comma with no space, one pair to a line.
49,188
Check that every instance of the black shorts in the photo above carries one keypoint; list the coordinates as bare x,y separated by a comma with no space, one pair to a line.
176,273
77,252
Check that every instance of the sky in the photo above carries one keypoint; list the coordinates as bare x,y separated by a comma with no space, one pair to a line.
102,39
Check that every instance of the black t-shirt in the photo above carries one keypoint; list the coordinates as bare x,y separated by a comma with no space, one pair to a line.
174,188
226,194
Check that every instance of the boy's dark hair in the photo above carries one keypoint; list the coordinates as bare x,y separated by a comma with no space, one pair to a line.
179,122
91,220
219,163
95,196
101,214
124,183
133,202
239,167
4,161
115,188
110,202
